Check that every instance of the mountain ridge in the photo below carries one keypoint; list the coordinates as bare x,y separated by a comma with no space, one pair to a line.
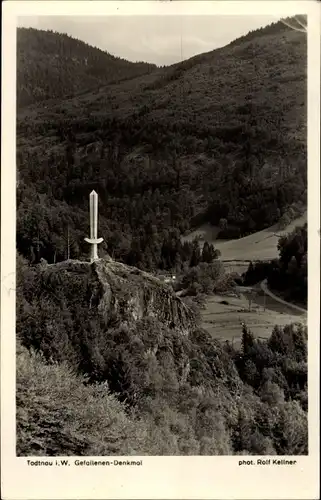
273,28
52,64
222,136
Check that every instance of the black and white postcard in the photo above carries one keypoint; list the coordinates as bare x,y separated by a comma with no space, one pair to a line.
160,250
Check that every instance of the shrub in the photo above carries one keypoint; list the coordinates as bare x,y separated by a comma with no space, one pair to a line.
202,278
58,415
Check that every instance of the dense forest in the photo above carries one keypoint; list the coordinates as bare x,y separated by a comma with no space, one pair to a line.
53,65
256,402
288,274
94,384
219,136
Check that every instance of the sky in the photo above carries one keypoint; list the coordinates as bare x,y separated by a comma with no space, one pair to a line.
161,40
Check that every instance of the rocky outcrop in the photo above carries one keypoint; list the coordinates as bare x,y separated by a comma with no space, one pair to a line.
120,293
115,323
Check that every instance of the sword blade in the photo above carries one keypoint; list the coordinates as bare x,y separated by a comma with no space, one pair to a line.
93,204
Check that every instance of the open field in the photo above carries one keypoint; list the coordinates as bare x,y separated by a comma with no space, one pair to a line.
224,321
236,266
258,246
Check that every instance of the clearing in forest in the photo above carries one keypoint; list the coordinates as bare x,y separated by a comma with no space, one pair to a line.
223,316
261,245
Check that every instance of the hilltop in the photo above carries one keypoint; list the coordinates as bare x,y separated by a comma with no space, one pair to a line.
219,136
114,293
54,65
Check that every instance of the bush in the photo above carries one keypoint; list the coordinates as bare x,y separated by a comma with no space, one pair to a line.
229,233
202,278
57,414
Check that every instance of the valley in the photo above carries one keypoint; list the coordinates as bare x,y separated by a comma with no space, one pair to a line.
109,352
160,149
223,314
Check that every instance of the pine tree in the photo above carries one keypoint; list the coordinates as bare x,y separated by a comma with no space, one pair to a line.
247,340
196,255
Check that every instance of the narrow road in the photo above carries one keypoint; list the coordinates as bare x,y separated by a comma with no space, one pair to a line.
278,299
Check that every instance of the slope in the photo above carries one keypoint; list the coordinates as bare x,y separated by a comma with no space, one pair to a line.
220,135
51,64
107,331
262,245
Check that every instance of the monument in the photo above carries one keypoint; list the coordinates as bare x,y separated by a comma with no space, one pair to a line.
93,240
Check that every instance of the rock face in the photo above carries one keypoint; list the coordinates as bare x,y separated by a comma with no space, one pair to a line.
115,323
120,293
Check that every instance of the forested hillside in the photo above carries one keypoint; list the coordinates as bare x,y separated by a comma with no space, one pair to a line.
51,65
221,135
122,334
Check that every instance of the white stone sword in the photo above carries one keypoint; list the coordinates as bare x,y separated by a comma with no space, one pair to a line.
93,240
